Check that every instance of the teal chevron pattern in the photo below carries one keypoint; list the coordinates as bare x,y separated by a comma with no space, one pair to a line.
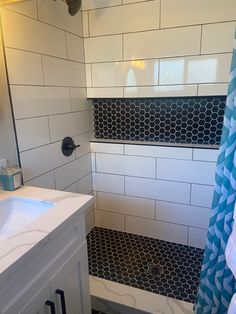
217,284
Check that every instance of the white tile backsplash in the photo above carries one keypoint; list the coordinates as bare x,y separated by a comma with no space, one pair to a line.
183,214
126,165
126,205
158,189
32,133
85,185
107,148
126,57
202,195
111,183
95,4
28,34
158,91
33,101
58,72
106,48
173,43
212,89
205,154
217,38
75,47
177,13
158,151
126,73
109,92
181,208
138,30
28,8
83,141
74,124
72,171
41,160
55,13
93,161
88,71
85,24
197,237
24,68
186,171
197,69
45,181
157,229
110,220
73,188
115,20
78,99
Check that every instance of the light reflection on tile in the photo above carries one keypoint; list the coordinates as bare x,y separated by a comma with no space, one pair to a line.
127,73
160,91
203,69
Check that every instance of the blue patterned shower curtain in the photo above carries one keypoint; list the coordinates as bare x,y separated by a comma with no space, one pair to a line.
217,284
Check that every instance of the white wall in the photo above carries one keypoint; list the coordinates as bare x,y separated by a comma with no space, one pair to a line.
160,192
45,62
137,48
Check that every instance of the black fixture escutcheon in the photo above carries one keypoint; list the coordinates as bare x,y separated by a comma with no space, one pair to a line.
68,146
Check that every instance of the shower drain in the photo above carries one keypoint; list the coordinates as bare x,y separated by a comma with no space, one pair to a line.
154,269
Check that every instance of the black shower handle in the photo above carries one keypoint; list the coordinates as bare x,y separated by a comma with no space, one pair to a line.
68,146
71,146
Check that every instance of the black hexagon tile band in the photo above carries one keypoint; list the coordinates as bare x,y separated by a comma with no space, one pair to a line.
185,120
156,266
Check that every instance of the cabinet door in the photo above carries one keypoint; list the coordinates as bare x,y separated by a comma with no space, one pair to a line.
36,305
72,279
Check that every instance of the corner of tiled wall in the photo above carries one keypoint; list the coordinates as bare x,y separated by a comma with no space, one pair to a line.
46,69
159,192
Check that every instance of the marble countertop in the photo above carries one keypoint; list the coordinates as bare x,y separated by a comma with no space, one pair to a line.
109,297
66,205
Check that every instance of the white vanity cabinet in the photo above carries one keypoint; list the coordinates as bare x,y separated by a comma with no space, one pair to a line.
56,272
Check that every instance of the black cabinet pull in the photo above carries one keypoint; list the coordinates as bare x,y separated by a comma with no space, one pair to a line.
63,301
51,305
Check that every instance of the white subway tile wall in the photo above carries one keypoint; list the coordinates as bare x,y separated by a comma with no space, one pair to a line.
46,67
161,192
132,48
138,48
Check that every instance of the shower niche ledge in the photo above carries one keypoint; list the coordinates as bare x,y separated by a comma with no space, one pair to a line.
43,263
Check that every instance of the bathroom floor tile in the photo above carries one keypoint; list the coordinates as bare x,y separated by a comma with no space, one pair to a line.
157,266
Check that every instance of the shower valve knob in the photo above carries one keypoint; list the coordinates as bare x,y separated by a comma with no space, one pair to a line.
68,146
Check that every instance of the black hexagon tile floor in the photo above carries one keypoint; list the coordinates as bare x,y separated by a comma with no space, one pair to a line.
156,266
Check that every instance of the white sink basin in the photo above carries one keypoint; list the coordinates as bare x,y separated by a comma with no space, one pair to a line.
18,212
